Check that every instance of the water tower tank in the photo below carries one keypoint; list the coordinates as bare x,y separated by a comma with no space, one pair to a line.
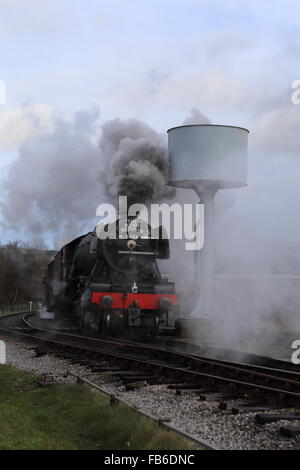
209,153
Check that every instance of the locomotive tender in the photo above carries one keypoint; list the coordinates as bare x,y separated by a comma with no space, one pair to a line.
113,286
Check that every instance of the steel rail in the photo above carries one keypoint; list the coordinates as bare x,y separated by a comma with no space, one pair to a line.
243,380
114,399
212,364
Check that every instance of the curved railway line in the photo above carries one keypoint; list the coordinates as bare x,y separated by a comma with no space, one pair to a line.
263,385
260,385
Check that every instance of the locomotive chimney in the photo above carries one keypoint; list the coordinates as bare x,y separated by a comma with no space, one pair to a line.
207,158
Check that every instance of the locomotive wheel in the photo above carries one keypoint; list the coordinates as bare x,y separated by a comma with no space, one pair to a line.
91,318
92,322
106,323
156,321
111,324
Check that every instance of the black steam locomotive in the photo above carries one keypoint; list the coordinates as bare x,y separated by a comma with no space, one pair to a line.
113,286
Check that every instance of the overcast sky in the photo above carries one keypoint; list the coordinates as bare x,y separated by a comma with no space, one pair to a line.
155,60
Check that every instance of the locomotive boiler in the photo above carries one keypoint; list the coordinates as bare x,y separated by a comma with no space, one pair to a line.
113,286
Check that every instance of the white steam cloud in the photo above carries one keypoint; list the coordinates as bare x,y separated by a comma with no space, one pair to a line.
51,189
196,117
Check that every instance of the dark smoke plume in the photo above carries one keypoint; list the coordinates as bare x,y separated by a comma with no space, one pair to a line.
135,161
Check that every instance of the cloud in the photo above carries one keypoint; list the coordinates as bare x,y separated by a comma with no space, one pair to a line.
20,124
228,42
277,130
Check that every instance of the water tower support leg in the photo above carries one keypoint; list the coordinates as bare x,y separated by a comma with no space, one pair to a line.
205,259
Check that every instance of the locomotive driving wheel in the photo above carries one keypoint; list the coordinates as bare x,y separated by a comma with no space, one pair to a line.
88,313
105,322
156,322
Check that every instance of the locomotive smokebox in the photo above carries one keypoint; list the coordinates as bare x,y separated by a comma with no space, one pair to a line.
207,158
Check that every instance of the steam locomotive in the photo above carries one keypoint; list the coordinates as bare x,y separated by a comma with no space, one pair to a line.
113,285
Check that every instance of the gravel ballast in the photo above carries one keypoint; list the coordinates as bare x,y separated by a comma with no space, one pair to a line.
203,419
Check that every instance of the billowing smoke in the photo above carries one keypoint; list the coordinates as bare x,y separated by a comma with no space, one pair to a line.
53,187
135,160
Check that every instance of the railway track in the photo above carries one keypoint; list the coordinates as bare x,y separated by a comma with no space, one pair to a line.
261,386
14,326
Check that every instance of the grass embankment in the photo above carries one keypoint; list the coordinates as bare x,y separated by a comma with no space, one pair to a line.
69,416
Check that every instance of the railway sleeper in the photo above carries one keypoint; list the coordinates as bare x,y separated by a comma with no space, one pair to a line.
134,378
135,385
183,391
226,405
215,396
235,410
106,369
183,386
40,352
120,373
289,431
265,418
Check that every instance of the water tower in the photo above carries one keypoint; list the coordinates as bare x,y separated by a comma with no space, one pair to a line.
206,158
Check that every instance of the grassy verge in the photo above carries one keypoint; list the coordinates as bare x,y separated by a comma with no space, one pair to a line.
69,416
